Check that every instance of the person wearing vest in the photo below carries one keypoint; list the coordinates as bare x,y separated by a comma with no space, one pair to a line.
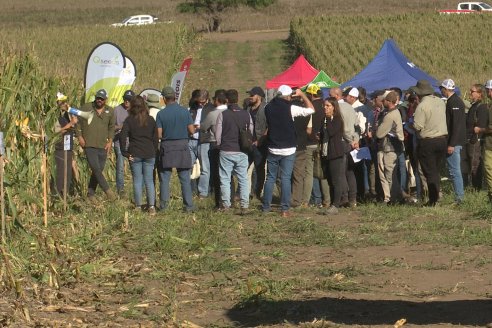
487,143
232,159
281,143
64,126
317,188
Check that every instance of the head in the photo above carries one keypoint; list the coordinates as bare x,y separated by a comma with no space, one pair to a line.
313,91
398,93
220,97
256,95
62,101
477,92
336,93
391,100
202,97
447,88
488,88
352,96
413,99
331,106
128,95
423,88
362,95
285,92
153,101
169,95
100,99
138,108
232,96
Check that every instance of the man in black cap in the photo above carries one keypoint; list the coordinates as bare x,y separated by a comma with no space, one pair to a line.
432,131
96,138
120,114
256,107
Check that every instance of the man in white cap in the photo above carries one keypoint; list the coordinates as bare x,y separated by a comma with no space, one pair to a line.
281,143
456,123
487,135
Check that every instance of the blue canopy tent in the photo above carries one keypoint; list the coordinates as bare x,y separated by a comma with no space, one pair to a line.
390,68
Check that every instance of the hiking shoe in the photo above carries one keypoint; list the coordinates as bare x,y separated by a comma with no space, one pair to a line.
152,210
285,214
110,195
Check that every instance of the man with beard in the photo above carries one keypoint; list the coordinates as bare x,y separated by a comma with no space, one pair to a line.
96,138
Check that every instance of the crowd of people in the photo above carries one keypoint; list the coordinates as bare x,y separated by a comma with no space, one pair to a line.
328,150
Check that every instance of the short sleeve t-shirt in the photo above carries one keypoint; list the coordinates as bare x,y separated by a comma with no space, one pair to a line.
174,121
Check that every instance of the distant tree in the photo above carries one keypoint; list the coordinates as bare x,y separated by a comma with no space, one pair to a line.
212,10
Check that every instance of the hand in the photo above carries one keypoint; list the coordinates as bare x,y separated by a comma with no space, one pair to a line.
369,134
450,150
82,142
74,120
107,147
318,138
130,158
477,130
298,93
355,145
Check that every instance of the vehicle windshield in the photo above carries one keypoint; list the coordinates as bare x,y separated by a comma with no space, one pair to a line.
123,21
485,5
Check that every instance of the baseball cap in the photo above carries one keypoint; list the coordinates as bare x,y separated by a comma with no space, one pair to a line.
61,97
256,91
168,92
448,84
313,89
354,92
285,90
488,84
101,94
128,95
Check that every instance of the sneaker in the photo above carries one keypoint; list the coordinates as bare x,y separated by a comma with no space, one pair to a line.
285,214
332,210
151,210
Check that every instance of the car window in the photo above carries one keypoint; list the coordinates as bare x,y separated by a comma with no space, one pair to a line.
133,21
485,5
476,7
464,6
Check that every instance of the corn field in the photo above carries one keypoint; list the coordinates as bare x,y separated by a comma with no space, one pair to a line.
445,46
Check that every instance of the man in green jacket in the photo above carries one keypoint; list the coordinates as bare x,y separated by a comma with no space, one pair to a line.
96,138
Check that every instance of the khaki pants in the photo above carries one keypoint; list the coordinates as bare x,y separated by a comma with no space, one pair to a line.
388,175
487,154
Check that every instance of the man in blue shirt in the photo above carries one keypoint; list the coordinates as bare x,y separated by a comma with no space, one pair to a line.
174,126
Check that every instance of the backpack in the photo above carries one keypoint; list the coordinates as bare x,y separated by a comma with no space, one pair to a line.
245,137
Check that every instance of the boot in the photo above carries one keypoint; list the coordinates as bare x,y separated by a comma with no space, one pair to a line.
110,194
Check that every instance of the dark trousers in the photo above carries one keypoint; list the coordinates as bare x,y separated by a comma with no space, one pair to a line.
431,153
96,157
60,170
214,159
472,165
349,184
259,159
298,178
335,173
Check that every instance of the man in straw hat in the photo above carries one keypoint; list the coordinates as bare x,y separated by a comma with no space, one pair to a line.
430,125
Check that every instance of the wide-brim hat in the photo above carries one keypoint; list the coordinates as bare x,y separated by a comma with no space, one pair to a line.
423,88
153,100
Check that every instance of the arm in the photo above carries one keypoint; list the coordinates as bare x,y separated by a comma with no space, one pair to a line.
110,137
123,135
218,129
385,127
155,136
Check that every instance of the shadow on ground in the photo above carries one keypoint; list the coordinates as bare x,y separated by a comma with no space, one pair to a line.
363,312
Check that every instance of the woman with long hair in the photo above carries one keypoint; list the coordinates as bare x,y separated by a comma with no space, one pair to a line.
141,131
333,151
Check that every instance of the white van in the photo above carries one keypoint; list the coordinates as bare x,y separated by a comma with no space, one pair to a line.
137,20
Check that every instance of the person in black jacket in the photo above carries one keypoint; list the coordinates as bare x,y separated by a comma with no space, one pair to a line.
333,151
456,122
141,131
477,117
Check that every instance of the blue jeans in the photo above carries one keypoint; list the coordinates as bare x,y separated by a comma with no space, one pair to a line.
286,165
204,182
454,168
142,173
402,169
120,168
316,195
184,180
236,163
